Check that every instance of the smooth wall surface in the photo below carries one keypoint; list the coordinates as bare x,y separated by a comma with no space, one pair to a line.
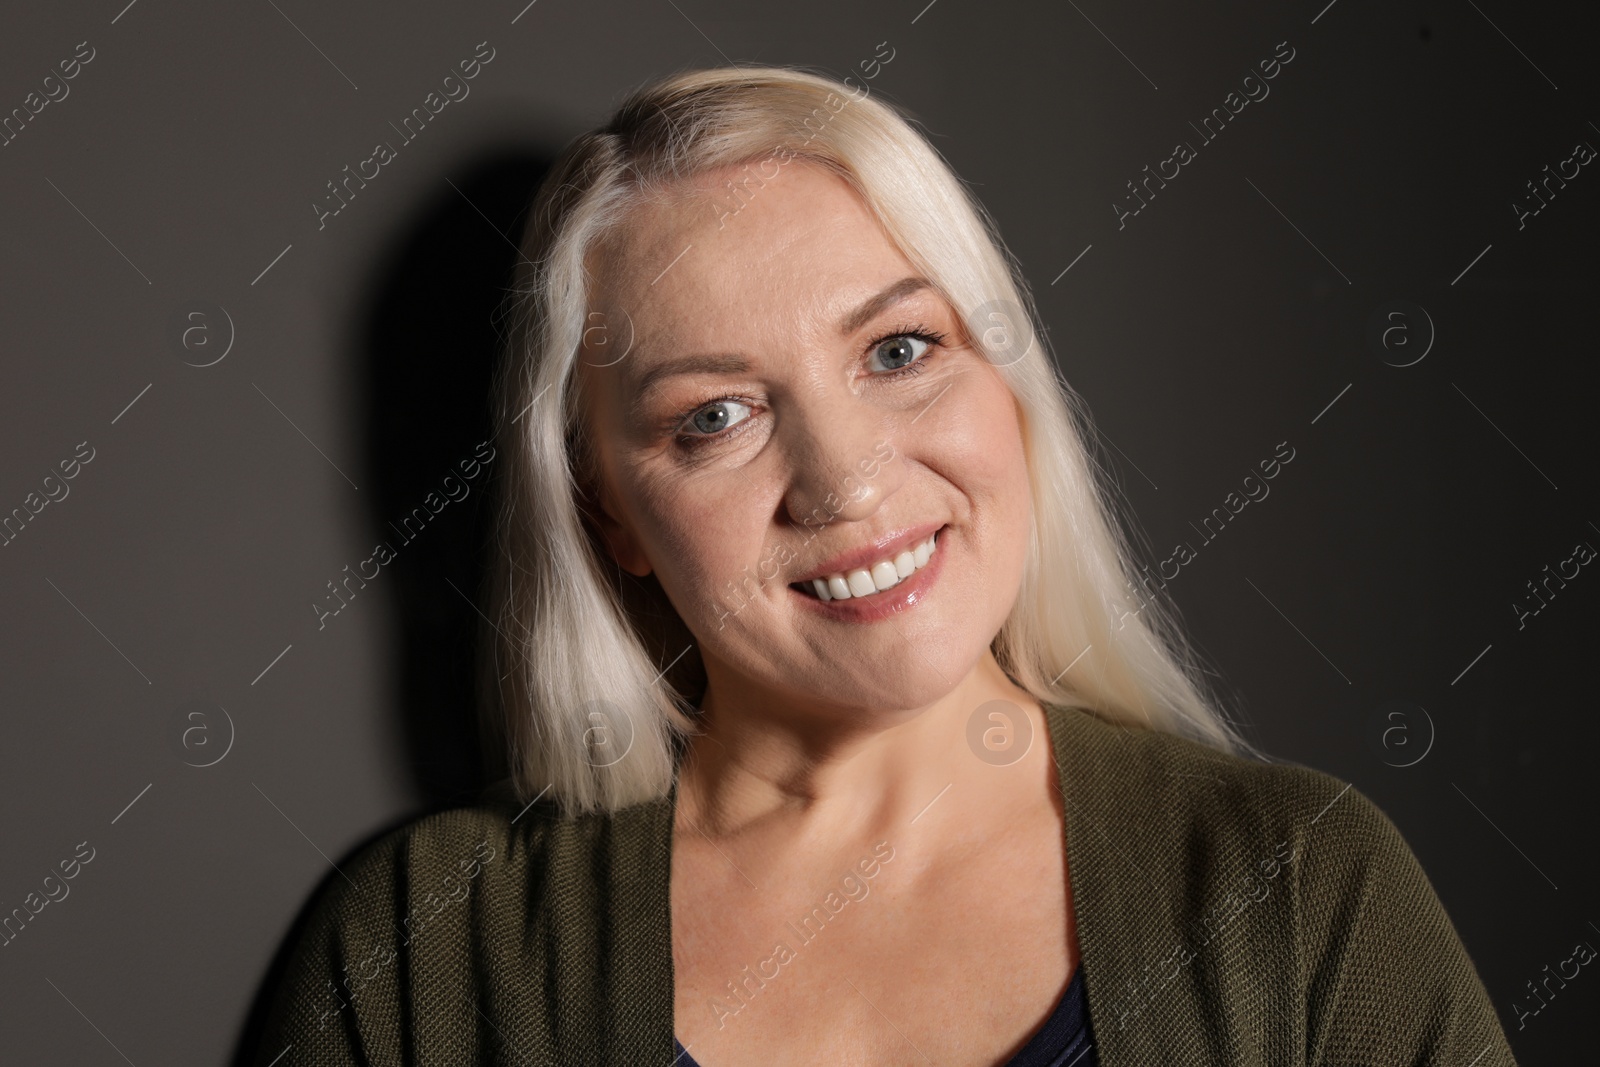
221,384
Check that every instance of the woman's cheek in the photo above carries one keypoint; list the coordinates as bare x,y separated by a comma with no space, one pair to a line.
702,558
974,444
985,460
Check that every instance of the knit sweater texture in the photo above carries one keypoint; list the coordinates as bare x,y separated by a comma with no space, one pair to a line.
1228,911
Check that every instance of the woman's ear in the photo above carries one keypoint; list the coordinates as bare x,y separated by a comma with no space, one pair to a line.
617,535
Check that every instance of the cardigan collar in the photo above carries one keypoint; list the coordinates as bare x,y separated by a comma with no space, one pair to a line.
1073,736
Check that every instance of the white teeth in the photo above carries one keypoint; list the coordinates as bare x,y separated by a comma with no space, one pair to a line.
864,581
860,583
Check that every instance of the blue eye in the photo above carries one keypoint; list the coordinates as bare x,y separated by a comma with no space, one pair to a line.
716,417
900,351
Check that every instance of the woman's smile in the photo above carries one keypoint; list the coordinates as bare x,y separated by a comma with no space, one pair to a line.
858,587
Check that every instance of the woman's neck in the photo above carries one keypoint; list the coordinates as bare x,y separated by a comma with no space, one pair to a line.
849,774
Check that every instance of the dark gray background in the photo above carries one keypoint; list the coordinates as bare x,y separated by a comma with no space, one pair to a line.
1222,320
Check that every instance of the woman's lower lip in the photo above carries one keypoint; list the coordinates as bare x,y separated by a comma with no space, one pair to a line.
875,607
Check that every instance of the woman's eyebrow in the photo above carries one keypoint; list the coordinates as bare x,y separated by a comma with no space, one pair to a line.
669,368
735,364
874,305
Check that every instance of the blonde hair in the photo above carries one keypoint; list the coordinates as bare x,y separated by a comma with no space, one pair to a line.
586,662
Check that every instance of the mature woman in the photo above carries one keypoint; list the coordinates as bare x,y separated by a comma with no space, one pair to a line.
840,726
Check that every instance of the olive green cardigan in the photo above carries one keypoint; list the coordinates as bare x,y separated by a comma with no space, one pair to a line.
1228,912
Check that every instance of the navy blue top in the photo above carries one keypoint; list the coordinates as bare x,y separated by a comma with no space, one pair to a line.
1064,1040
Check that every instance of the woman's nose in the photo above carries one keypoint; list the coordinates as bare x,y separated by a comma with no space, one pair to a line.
844,461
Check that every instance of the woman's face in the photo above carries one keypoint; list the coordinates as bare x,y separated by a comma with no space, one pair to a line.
770,389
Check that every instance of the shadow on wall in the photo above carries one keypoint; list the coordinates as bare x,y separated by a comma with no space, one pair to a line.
426,340
429,338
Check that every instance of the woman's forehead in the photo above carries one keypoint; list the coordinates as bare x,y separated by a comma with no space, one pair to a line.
802,243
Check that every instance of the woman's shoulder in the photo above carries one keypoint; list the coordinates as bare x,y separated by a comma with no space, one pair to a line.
1188,790
494,903
1202,871
1162,818
479,873
498,837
